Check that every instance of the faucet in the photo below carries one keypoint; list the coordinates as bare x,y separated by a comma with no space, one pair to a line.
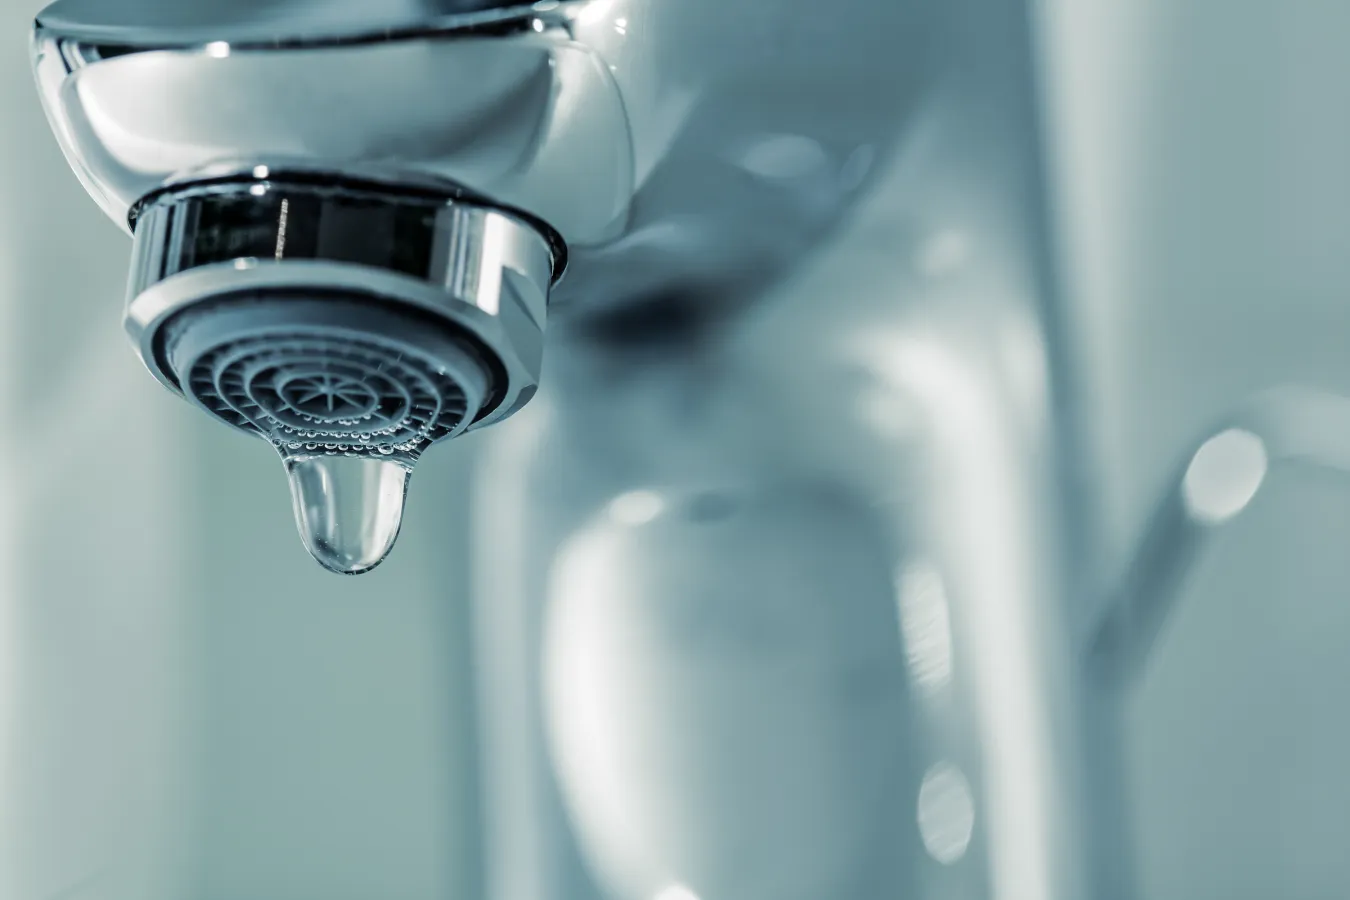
351,224
775,471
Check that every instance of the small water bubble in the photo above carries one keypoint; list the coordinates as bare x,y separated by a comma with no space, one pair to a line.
294,445
311,446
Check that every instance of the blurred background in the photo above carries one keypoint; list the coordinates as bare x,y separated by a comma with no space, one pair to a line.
190,708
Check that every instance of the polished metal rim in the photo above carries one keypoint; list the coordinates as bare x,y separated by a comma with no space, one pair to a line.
484,271
89,35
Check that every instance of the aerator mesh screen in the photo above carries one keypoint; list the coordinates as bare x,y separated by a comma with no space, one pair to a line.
351,376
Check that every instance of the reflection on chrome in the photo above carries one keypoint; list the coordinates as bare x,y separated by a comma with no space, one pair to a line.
946,813
676,892
943,253
636,507
596,11
983,510
724,694
926,625
784,157
1224,475
884,412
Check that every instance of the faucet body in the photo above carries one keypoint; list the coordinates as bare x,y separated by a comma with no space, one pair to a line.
638,148
781,580
804,576
652,136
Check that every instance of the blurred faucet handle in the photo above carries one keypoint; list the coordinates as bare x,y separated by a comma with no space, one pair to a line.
1217,483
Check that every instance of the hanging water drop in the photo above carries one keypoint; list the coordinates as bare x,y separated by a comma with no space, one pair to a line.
349,510
307,394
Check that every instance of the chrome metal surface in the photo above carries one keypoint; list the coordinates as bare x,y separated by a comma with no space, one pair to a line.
131,22
579,125
927,380
534,120
479,269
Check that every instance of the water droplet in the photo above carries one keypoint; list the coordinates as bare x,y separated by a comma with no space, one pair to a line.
348,510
